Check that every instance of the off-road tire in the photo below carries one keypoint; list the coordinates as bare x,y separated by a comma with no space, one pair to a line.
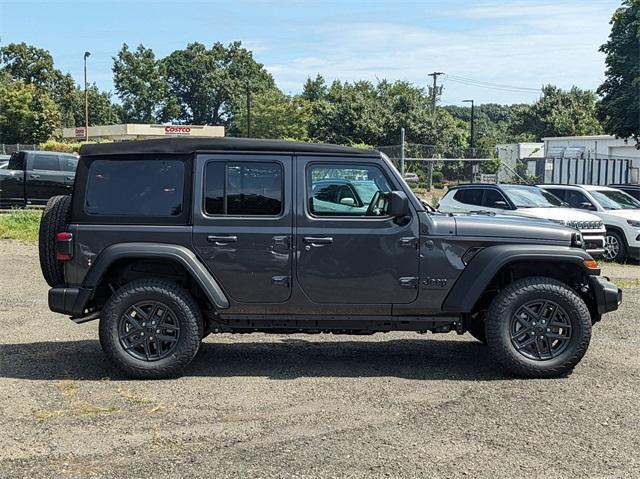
621,256
477,329
186,311
507,303
55,218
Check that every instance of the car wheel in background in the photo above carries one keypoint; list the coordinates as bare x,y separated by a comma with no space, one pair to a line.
614,247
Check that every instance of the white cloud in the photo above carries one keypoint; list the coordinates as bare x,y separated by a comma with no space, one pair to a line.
521,44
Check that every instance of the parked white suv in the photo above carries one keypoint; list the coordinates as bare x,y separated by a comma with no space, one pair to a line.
619,211
523,200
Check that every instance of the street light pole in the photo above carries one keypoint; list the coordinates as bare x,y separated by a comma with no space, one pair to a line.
248,109
86,99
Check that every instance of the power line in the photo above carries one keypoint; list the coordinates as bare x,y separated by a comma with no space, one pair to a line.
489,85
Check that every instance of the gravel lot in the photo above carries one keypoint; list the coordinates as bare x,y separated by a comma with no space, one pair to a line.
394,405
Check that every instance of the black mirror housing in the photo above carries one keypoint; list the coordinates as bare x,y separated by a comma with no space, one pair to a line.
398,205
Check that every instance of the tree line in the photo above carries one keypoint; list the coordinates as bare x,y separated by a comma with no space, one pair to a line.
201,85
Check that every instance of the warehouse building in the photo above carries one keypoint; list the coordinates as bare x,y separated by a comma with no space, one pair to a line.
136,131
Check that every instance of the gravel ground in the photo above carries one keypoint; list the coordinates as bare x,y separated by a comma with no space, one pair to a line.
394,405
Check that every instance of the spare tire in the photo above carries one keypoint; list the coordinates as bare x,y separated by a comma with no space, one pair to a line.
54,220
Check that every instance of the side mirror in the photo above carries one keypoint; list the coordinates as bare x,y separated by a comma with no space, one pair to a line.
348,202
398,205
586,206
501,205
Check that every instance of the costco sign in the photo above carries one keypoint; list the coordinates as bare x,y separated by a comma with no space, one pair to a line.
177,130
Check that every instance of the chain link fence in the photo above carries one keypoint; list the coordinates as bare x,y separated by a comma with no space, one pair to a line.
6,149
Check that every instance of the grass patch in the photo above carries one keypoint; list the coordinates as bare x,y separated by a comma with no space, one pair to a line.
626,282
20,224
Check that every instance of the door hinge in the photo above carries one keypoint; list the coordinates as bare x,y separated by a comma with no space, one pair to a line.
409,242
408,282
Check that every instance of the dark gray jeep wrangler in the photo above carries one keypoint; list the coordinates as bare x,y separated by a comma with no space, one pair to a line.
167,241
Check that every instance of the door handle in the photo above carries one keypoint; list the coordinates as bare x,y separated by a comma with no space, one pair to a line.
317,241
71,178
34,176
222,239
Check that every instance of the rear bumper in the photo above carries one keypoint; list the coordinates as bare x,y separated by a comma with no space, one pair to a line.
607,295
71,301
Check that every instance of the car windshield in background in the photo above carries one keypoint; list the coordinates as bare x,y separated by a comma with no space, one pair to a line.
615,200
531,197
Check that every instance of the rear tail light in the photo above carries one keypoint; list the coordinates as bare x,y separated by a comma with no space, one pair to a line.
64,246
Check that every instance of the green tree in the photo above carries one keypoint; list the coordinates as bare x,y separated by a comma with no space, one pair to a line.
142,87
29,64
27,113
619,109
210,85
560,113
349,114
275,115
314,89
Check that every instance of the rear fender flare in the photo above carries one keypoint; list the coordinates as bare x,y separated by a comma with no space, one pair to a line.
177,253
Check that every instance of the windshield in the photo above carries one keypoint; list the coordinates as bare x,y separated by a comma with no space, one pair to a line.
531,197
615,200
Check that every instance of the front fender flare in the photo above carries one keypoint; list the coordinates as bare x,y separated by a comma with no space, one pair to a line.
487,263
174,252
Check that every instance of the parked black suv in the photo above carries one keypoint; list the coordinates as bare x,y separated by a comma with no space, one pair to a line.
169,240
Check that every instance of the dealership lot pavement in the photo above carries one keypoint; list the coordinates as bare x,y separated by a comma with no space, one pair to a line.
394,405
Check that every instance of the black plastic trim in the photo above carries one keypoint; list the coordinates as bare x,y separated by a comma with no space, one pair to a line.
487,263
608,295
71,301
153,250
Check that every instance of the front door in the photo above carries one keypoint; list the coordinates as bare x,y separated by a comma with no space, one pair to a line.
45,178
243,224
349,250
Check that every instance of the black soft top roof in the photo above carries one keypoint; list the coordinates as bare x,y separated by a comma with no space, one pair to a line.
192,145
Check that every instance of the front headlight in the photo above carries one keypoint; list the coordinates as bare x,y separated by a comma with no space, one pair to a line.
576,240
560,222
634,223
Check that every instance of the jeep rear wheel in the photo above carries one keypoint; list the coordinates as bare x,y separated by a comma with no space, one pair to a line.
538,327
151,329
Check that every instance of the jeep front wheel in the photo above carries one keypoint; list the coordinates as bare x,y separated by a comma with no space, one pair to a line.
538,327
151,329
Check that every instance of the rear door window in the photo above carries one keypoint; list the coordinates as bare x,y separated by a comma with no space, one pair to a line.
68,163
469,196
135,188
46,162
243,188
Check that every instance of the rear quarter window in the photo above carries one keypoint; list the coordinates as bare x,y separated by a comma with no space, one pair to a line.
143,188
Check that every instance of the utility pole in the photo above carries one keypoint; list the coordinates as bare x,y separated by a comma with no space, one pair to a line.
248,109
402,151
86,98
435,91
472,141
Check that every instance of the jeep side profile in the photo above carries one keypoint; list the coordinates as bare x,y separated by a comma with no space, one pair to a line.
167,241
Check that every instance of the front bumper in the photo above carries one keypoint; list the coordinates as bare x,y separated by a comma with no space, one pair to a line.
607,295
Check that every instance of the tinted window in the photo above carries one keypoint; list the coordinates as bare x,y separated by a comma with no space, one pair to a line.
531,197
135,188
615,200
46,162
68,163
575,198
469,196
243,188
347,190
491,197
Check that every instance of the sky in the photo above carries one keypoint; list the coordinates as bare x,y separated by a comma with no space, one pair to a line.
490,51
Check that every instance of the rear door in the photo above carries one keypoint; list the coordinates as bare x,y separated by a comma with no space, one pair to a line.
45,177
350,250
243,224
